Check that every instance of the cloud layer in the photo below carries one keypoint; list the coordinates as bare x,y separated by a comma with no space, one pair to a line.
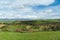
35,2
24,9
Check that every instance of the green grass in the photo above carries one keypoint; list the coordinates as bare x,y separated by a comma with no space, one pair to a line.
30,36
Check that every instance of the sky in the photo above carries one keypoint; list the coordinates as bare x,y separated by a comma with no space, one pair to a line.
30,9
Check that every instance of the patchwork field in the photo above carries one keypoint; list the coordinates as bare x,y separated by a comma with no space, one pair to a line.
30,36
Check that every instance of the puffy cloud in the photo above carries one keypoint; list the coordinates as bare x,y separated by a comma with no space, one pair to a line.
36,2
22,9
52,13
28,13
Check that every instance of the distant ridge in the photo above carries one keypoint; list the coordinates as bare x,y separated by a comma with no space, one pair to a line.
22,19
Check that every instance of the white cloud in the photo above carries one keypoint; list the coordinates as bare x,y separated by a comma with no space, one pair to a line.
18,4
35,2
49,10
30,14
18,9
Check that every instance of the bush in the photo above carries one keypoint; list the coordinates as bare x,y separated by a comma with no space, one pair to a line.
19,30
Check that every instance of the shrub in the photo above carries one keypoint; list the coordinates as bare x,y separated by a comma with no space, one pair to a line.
19,30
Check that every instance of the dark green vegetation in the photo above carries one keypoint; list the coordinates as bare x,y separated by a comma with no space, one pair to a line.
30,26
30,36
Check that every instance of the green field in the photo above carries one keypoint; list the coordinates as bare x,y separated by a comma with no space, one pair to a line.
30,36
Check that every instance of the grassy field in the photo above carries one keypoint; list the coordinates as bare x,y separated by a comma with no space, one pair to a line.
30,36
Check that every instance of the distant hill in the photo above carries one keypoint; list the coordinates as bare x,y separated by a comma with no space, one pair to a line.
38,20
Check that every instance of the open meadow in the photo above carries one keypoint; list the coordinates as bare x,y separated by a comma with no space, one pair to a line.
30,36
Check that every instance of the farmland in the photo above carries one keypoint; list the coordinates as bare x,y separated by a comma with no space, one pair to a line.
30,30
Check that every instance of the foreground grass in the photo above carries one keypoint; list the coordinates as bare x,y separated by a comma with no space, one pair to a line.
30,36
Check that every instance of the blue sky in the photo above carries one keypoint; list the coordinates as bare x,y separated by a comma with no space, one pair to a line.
30,9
